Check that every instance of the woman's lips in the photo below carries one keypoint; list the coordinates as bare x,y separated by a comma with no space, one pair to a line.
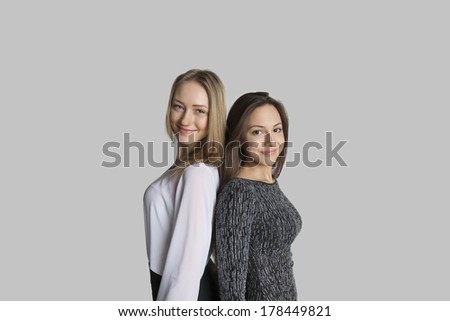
185,131
270,152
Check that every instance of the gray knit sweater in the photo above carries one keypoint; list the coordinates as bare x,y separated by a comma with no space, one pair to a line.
255,227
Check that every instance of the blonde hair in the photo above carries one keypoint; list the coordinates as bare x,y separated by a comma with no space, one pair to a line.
211,148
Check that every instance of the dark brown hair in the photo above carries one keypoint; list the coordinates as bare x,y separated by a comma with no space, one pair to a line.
234,134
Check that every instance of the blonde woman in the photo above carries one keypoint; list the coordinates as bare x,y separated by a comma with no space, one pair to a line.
179,205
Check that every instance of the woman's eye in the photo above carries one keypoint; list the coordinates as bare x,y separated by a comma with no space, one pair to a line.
177,107
278,130
201,111
257,132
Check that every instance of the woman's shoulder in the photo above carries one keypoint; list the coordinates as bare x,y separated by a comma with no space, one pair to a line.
201,172
238,186
200,169
236,198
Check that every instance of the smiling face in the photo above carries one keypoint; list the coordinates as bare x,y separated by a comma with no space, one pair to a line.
189,112
264,136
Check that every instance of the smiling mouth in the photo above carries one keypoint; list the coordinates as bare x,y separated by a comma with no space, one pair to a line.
185,131
269,152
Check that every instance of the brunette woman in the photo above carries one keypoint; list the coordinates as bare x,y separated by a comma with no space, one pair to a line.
255,222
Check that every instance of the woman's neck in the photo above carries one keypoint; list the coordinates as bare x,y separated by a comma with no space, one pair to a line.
257,173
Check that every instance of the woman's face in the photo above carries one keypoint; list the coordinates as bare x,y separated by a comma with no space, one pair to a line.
189,112
264,136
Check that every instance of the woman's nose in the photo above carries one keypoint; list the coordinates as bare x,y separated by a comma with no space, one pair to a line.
268,139
186,119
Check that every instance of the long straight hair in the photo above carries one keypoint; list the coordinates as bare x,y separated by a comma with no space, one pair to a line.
234,137
210,149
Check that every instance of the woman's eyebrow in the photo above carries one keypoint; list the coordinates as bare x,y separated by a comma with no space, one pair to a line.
195,105
263,126
199,105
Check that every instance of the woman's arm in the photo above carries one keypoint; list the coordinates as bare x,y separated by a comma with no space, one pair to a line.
233,233
191,236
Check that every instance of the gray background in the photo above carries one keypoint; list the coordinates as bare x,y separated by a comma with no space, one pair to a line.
75,75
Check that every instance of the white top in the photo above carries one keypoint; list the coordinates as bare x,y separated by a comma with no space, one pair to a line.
178,213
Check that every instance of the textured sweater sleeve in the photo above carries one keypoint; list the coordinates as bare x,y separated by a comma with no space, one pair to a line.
233,212
192,230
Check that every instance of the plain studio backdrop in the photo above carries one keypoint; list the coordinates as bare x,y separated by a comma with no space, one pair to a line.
76,75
